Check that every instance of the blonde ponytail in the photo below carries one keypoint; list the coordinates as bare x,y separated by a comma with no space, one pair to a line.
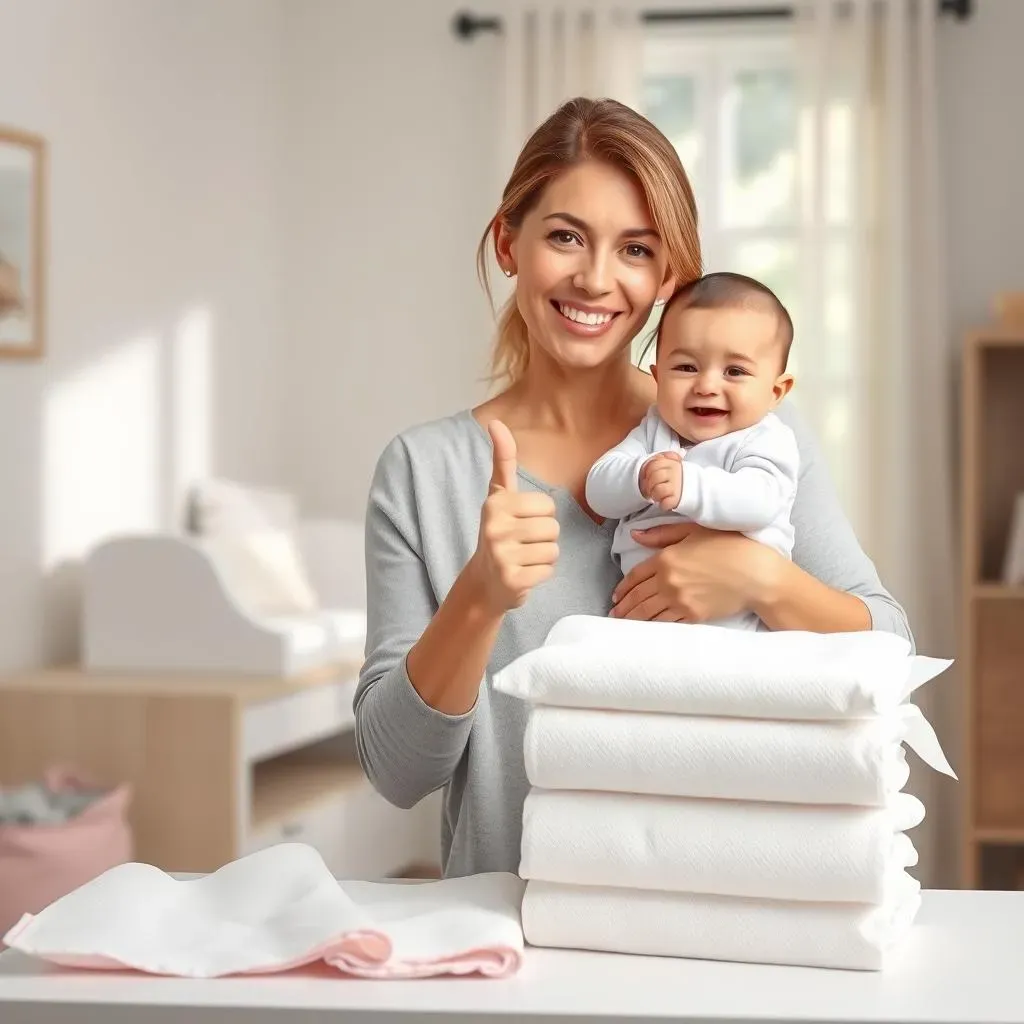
512,346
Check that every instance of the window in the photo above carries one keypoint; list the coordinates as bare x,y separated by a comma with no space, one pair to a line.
729,100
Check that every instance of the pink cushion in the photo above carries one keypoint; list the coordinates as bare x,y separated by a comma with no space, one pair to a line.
41,863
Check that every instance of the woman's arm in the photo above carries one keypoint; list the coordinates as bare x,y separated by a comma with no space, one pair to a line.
410,739
784,596
830,586
836,573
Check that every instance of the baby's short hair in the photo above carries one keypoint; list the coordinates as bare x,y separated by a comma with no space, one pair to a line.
726,290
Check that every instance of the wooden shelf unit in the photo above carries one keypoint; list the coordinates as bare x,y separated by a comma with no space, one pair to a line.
992,613
219,765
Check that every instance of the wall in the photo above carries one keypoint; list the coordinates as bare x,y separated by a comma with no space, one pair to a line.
163,124
385,111
981,77
386,195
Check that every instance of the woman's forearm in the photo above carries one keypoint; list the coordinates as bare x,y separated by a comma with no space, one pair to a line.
448,661
789,598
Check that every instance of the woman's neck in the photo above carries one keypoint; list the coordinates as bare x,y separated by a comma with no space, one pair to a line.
579,402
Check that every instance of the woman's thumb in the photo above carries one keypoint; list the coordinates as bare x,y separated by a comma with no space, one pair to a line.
503,470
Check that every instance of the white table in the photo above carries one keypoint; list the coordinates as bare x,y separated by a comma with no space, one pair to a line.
963,964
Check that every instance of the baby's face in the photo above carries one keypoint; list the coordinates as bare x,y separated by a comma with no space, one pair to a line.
718,370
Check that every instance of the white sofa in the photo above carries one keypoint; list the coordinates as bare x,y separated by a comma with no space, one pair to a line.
250,587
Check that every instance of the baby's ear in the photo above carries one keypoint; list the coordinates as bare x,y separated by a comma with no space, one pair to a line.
654,372
782,387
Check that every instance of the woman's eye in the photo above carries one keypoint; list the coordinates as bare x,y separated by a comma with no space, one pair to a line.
637,251
562,237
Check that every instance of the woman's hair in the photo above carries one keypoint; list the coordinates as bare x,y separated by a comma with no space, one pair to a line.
609,131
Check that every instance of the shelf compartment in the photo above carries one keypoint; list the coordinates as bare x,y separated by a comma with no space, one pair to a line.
999,694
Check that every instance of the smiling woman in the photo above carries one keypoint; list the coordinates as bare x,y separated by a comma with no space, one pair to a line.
479,536
568,201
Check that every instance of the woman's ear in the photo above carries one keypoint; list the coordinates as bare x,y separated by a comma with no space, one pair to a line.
504,245
667,289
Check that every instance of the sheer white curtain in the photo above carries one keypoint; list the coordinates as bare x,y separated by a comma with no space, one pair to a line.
555,51
871,291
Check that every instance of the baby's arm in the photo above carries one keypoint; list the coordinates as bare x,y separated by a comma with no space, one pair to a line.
613,483
753,492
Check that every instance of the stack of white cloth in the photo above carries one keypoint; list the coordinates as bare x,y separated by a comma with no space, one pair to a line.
704,792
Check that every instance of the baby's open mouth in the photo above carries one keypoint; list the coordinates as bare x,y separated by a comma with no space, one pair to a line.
706,411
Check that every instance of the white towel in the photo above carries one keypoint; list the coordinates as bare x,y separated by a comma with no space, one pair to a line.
618,664
274,910
724,847
856,761
855,936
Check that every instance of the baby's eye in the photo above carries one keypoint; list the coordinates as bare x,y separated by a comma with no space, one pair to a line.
685,368
736,371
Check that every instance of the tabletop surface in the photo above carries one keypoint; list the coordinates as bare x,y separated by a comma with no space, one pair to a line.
963,963
243,688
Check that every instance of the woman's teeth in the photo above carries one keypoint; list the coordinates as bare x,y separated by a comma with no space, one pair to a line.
580,317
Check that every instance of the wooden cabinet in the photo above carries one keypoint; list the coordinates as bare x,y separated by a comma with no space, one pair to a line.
992,617
219,766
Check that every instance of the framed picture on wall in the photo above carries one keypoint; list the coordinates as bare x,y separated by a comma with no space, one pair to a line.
22,244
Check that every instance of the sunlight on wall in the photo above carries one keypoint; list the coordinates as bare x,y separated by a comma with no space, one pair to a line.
191,399
101,451
124,439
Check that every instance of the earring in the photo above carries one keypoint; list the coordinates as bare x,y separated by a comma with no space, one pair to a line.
659,302
508,273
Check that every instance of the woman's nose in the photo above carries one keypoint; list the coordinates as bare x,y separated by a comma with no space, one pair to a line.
594,277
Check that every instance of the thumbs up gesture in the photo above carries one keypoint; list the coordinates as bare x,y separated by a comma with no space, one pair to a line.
516,547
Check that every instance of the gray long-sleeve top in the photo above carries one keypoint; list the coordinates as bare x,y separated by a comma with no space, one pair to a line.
422,521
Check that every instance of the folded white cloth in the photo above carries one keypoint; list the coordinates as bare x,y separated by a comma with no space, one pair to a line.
724,847
619,664
274,910
855,936
853,761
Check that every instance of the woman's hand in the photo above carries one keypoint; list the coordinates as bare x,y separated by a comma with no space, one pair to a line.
697,576
516,547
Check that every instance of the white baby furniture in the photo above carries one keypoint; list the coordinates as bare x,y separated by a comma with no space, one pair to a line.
217,675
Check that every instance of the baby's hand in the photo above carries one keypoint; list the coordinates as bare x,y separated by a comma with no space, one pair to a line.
661,479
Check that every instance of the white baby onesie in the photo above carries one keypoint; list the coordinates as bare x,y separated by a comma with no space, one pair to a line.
744,481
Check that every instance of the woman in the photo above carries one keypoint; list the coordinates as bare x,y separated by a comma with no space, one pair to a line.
478,535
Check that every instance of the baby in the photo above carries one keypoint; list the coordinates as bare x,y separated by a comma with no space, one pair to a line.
710,450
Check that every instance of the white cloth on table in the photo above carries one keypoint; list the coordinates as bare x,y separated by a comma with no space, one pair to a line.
621,664
278,909
723,847
853,761
860,761
854,936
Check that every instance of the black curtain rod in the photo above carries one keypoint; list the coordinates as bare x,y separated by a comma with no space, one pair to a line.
467,25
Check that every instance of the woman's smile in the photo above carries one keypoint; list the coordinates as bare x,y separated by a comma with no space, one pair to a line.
582,320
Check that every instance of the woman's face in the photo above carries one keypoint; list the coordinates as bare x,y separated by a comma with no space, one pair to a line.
589,265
